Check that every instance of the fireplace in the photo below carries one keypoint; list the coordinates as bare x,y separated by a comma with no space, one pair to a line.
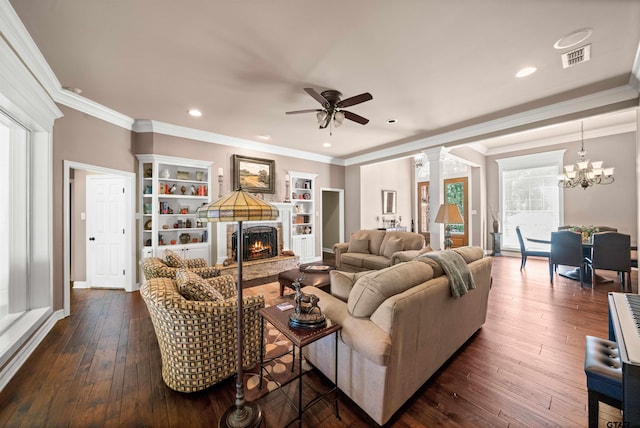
259,242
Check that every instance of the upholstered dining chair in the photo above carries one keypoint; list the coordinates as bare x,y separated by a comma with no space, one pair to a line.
566,250
612,251
525,252
606,229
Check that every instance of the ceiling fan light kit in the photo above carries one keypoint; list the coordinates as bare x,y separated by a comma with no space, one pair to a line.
332,113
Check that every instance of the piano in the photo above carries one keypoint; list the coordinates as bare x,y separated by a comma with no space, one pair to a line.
624,328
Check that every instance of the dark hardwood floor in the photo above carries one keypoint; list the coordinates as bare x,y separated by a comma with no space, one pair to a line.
101,367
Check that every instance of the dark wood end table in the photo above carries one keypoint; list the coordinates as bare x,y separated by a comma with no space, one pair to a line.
313,274
300,338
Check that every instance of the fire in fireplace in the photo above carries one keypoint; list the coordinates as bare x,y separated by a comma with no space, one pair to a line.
259,242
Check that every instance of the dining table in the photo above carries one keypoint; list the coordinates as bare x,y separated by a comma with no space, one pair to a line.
574,273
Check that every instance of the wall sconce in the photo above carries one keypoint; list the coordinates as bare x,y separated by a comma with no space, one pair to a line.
286,188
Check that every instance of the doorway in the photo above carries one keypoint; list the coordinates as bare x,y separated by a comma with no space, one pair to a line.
456,192
76,256
332,221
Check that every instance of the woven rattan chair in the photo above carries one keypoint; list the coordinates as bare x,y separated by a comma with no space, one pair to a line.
198,339
155,267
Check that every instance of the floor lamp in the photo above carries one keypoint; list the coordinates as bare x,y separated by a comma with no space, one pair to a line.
239,206
448,214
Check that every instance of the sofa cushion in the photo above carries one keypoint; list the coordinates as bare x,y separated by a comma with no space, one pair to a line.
470,254
193,287
393,245
371,290
174,260
354,259
358,245
342,283
374,262
374,236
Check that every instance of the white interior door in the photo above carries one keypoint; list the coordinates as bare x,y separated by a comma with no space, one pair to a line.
106,208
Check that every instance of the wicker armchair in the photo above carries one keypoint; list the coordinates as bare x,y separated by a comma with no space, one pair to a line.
155,267
198,339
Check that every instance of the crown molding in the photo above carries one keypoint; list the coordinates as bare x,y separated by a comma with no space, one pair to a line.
146,125
92,108
576,105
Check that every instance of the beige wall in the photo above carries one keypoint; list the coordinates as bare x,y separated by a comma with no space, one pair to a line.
330,218
84,139
391,175
611,205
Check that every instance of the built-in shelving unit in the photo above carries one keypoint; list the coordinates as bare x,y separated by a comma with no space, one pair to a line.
303,227
171,190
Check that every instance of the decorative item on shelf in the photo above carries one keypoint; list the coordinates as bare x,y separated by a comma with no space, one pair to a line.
148,172
173,242
294,196
160,240
148,242
148,189
194,191
147,225
286,188
307,230
179,223
184,238
165,226
585,173
165,173
239,206
183,189
161,188
175,225
184,210
199,175
448,214
194,240
147,208
172,189
306,196
183,175
187,224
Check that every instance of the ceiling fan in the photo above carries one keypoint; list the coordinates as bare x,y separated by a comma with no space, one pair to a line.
332,107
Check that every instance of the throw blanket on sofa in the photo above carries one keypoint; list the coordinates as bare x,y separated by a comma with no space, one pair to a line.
456,269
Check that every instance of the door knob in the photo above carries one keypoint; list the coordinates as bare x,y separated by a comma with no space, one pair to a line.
92,238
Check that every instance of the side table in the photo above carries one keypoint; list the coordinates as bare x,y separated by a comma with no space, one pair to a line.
300,338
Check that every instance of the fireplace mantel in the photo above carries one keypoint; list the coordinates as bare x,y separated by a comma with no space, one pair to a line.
284,217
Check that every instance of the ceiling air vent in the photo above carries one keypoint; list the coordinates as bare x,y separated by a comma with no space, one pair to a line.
576,56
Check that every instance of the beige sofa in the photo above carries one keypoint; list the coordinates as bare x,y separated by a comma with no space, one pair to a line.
376,249
399,325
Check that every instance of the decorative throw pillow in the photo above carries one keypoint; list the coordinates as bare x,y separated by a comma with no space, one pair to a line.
342,283
193,287
358,245
198,263
393,245
174,260
426,249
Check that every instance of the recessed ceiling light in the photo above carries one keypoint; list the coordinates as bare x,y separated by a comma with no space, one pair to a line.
573,38
326,144
527,71
390,121
195,112
264,137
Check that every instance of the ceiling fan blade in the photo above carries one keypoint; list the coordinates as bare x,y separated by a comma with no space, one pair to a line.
351,101
355,117
313,110
316,96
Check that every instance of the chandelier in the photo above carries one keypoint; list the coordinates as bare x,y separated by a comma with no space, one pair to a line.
585,173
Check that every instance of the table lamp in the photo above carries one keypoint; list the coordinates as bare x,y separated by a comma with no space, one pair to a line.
448,214
239,206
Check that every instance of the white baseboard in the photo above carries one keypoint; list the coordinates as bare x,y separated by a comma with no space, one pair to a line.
20,357
327,250
80,284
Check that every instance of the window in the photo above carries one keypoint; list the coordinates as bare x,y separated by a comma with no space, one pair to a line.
529,196
13,221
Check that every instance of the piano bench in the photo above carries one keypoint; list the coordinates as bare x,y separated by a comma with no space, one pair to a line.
604,375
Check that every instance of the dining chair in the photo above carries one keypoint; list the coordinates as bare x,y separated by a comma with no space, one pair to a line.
612,251
525,252
606,229
566,250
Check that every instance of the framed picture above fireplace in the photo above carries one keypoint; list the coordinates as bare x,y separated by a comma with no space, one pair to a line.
254,174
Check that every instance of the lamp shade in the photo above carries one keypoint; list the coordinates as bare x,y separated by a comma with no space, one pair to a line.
237,206
449,214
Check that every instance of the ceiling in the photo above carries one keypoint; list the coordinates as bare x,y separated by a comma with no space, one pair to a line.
436,67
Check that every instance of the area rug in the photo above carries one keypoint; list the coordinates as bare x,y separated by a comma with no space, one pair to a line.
277,370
